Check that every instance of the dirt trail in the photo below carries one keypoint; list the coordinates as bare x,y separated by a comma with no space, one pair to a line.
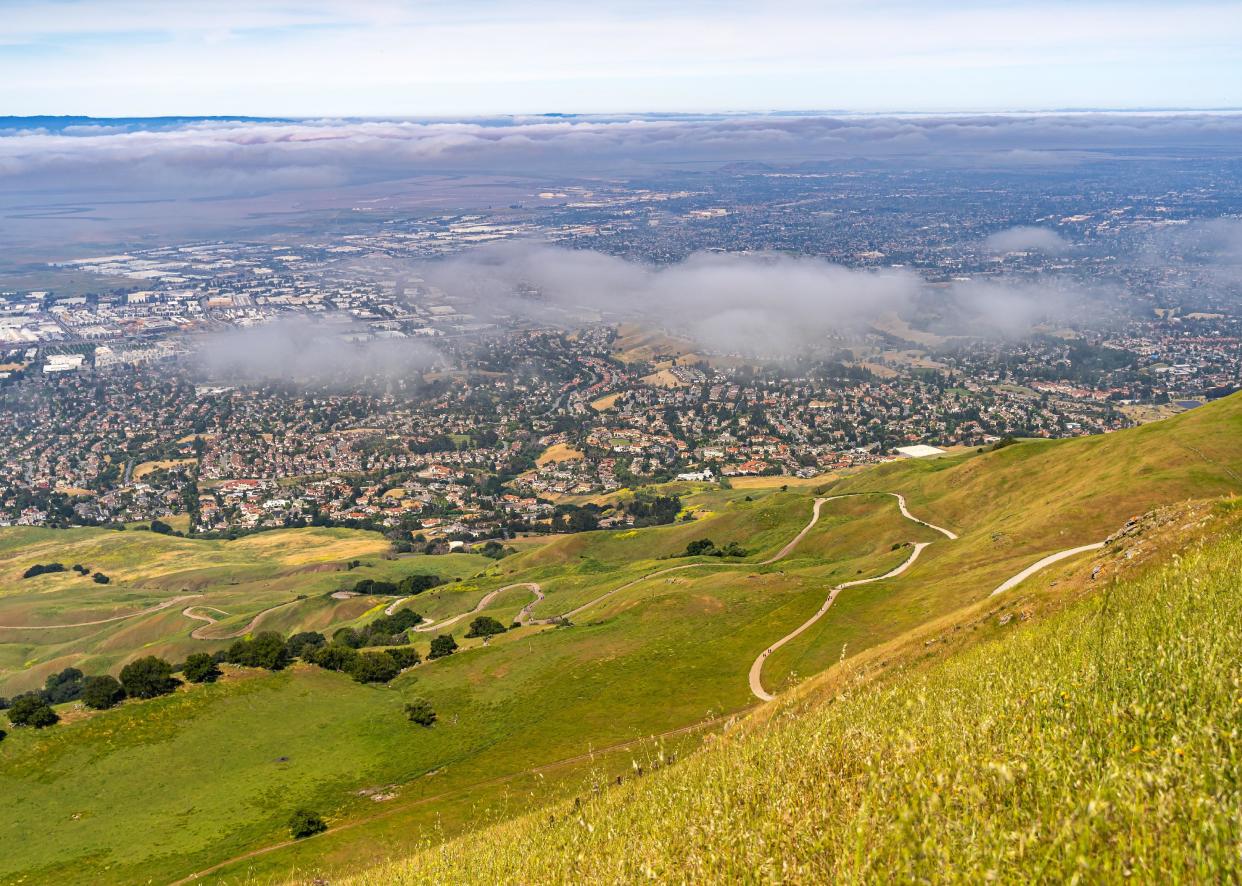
428,626
102,621
756,668
200,632
1041,564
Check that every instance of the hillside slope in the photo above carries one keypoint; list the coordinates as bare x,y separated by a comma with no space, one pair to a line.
1101,743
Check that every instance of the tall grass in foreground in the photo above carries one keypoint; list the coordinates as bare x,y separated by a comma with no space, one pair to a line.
1102,744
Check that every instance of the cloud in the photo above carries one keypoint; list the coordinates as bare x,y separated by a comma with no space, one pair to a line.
760,304
302,351
229,158
1027,239
757,304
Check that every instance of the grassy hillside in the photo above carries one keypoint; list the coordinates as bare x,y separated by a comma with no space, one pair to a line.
234,580
1100,744
521,718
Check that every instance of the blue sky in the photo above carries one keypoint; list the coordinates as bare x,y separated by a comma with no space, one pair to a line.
388,58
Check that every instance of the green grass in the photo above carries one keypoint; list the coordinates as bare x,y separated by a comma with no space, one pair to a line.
241,578
664,653
1096,746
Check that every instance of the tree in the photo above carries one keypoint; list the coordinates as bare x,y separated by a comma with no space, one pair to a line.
704,546
404,656
485,626
334,657
268,650
265,650
300,644
100,579
421,712
159,526
32,710
417,583
374,667
102,692
305,823
200,667
62,687
147,677
442,645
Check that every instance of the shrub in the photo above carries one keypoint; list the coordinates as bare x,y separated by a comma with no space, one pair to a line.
421,712
161,527
305,823
485,626
32,710
100,579
200,667
442,645
374,667
43,569
102,692
700,546
147,678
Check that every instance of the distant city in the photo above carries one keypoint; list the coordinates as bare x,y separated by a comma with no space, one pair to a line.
116,410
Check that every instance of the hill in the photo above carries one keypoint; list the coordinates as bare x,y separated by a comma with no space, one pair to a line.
623,648
1098,744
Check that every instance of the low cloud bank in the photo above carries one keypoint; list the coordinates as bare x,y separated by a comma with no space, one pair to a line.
758,304
1027,239
235,157
299,350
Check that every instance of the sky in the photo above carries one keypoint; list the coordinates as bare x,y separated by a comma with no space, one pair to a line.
386,58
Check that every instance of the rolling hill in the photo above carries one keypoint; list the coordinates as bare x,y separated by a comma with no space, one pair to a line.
652,663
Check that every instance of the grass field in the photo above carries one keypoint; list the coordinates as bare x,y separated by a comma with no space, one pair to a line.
654,656
1098,745
240,578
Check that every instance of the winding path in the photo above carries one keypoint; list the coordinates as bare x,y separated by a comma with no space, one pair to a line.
1040,564
756,669
173,601
429,625
198,633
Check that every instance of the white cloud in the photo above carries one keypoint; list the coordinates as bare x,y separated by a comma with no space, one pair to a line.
1027,239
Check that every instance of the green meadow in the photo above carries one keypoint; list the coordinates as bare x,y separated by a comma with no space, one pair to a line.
205,780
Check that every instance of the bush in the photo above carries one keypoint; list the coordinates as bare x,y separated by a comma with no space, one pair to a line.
485,626
700,546
304,823
147,678
421,712
32,710
100,579
374,667
43,569
102,692
442,645
161,527
200,667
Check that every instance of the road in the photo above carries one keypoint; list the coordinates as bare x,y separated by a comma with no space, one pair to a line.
102,621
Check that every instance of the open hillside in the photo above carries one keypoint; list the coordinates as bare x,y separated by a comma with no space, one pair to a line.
619,643
1099,744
